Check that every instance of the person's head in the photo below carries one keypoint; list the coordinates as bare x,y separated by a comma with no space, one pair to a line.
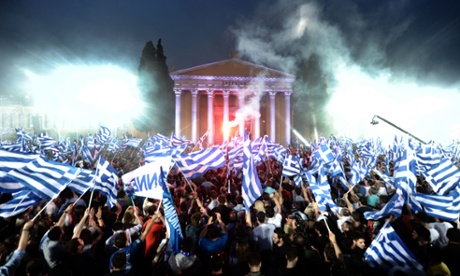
261,217
358,240
292,254
254,262
239,200
279,236
36,267
221,199
213,232
120,240
86,236
75,246
269,211
242,249
216,262
195,218
187,245
55,233
119,260
347,226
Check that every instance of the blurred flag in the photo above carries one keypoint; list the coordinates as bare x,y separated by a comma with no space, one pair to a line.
251,187
173,224
106,181
44,177
392,207
103,135
199,162
21,202
389,253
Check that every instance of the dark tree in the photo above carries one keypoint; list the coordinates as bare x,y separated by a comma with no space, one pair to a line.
156,87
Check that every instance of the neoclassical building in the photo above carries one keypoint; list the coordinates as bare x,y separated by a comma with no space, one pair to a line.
229,96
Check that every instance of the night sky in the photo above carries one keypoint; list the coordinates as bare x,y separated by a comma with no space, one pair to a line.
401,42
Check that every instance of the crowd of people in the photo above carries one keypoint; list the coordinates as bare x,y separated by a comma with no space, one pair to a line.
283,233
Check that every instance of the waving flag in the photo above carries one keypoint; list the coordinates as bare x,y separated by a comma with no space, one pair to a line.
443,177
145,180
173,224
251,187
21,202
393,207
44,177
103,135
174,152
292,167
389,253
202,139
198,163
132,142
83,181
322,192
106,181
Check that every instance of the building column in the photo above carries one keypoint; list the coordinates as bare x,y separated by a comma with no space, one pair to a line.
272,116
194,115
226,94
178,93
256,131
240,107
210,116
287,101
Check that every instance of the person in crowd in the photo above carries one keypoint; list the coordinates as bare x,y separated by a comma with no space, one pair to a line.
254,263
8,267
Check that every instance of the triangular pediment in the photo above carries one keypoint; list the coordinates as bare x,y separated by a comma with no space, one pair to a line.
232,67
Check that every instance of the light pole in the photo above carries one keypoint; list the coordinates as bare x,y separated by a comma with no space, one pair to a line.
374,122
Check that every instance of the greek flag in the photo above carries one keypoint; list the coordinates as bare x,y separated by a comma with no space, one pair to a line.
393,207
174,152
45,178
389,253
106,181
322,192
443,177
21,202
90,141
82,182
103,135
173,224
201,141
235,158
132,142
198,163
443,207
251,187
292,167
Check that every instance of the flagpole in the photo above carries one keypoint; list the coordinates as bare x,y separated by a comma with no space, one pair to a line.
44,207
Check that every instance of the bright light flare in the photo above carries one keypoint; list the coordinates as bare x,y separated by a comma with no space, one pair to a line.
426,112
86,96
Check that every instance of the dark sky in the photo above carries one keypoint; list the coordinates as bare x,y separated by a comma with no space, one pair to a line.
414,41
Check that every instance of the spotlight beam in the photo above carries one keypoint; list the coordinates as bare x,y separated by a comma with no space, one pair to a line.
374,122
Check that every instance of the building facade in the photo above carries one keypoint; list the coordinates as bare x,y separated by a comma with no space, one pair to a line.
232,96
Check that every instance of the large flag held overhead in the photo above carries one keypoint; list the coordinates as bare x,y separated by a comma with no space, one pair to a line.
199,162
45,178
251,187
145,181
389,253
173,224
106,181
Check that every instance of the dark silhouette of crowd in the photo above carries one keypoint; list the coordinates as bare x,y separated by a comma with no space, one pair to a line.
283,233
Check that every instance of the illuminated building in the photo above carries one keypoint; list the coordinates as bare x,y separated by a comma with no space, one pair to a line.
230,96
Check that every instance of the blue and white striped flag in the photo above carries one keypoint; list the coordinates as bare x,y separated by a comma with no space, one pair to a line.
174,152
251,187
20,202
132,142
389,253
83,181
438,206
322,192
106,181
198,163
393,207
103,135
443,177
170,213
44,177
292,168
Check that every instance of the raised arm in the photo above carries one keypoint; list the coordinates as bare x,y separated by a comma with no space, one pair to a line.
64,215
81,223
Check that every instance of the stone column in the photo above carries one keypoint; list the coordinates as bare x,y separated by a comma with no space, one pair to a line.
241,107
226,94
194,115
287,100
210,116
178,93
272,116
